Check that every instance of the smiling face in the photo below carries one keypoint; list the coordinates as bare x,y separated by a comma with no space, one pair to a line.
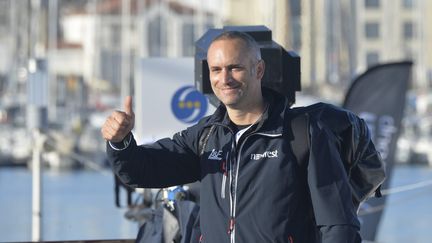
235,73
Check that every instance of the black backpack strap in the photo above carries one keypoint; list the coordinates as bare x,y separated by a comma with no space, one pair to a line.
205,135
300,144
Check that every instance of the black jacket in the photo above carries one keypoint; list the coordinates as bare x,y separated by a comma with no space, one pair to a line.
253,190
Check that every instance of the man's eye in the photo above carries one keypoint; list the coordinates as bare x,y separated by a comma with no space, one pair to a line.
236,69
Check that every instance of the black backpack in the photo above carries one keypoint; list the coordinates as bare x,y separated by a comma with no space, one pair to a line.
362,162
365,174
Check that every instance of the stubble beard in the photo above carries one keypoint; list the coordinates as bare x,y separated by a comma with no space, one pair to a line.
232,100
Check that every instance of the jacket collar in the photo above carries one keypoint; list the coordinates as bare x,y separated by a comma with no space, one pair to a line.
272,120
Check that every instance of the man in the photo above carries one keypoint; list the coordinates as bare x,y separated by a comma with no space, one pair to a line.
252,187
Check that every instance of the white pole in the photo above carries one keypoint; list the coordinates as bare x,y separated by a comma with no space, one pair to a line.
36,98
125,49
52,52
14,46
37,186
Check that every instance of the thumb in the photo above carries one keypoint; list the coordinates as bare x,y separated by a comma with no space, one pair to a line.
128,105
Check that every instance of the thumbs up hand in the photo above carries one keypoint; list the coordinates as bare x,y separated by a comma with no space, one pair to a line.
119,123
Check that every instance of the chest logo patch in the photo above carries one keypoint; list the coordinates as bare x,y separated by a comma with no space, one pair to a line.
266,154
215,155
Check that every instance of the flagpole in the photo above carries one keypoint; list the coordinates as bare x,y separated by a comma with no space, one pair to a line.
125,48
52,56
34,93
37,186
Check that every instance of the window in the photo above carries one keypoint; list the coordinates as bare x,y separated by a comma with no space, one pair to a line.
408,30
372,58
408,4
157,41
372,3
429,74
4,13
296,30
110,65
115,36
372,30
188,33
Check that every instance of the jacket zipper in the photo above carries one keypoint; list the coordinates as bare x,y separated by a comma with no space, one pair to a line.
227,166
224,176
231,222
233,187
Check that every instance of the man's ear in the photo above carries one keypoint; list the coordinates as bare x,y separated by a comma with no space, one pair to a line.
260,68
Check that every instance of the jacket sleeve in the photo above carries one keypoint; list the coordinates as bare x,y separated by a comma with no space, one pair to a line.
331,196
167,162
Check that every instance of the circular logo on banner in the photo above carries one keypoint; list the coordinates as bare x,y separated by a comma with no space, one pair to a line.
188,104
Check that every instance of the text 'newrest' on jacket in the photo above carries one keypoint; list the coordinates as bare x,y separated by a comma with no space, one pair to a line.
254,190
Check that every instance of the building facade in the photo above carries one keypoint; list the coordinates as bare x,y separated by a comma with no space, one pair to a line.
338,40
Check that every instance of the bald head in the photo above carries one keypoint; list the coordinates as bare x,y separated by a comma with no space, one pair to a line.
249,44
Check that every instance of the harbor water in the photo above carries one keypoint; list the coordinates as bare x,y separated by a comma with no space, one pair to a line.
79,205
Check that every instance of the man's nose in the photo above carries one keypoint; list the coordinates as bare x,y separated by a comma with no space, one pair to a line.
226,76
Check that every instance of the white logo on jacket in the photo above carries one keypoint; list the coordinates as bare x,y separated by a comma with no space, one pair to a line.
266,154
215,155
